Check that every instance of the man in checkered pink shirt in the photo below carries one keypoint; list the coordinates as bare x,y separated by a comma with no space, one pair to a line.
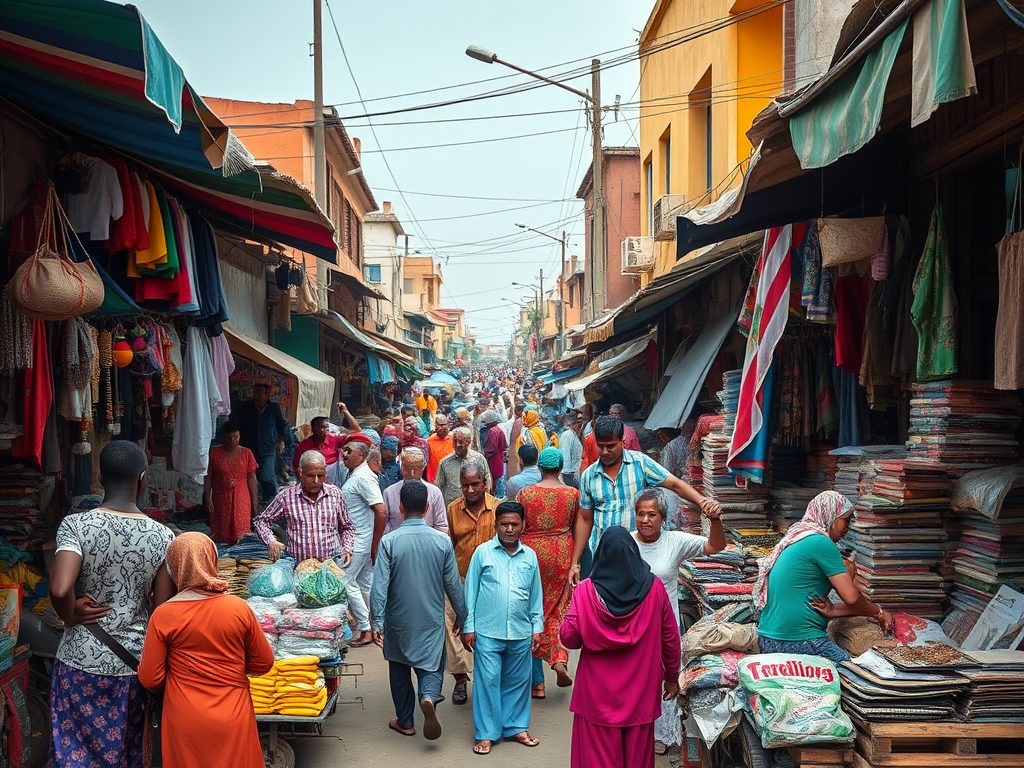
318,523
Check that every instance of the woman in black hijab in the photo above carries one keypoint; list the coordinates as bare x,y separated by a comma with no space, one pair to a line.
621,577
626,629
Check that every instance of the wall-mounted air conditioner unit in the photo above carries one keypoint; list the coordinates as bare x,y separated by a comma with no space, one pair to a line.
637,255
666,209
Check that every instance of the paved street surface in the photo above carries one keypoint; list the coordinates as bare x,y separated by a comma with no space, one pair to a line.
366,741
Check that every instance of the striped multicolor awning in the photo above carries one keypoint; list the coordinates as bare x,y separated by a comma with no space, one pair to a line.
96,69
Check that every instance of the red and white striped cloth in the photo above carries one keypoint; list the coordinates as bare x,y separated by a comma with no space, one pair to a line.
771,311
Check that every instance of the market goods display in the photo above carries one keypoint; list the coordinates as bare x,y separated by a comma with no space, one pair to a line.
321,587
795,699
293,687
272,580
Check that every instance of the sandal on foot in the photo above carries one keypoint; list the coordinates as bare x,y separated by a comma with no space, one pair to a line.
394,726
482,748
537,692
525,739
564,678
459,695
431,725
660,748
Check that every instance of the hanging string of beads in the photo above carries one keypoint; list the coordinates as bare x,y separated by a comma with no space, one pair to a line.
106,356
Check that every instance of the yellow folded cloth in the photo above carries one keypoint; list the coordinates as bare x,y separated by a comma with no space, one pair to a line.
300,711
297,663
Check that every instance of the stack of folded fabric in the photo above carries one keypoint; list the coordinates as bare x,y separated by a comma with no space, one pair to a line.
898,537
24,495
718,579
874,690
821,467
788,502
293,687
966,427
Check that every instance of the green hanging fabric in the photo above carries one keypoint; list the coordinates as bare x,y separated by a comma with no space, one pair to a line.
934,311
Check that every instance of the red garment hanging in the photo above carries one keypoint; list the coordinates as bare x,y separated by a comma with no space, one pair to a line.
851,295
37,396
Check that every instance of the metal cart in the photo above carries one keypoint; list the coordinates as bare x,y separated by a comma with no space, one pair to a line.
277,751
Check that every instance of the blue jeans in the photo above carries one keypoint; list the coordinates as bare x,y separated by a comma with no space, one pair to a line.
501,689
819,646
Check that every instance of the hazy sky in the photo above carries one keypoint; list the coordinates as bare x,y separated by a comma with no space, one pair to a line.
259,50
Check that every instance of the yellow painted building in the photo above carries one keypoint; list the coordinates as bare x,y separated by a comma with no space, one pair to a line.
699,92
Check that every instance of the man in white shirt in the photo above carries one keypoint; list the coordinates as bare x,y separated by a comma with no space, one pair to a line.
413,464
365,506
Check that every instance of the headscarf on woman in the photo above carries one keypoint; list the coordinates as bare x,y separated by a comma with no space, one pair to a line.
192,561
532,431
551,458
621,577
822,512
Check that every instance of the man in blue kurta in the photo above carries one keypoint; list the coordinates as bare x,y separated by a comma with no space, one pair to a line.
505,616
415,569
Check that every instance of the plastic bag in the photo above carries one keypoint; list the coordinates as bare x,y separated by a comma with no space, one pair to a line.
289,646
272,580
326,619
321,588
267,613
709,636
794,699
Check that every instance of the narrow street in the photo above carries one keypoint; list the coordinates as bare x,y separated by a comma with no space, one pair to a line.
357,736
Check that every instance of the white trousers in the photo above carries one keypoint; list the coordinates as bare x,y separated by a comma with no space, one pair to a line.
360,580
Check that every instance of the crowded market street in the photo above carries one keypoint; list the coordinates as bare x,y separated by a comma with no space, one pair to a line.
600,384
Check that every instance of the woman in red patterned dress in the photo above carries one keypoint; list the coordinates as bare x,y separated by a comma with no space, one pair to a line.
230,490
551,511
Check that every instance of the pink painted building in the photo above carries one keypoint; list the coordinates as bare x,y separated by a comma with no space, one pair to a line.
622,219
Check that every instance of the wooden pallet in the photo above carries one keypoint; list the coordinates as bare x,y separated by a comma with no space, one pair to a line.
822,756
930,745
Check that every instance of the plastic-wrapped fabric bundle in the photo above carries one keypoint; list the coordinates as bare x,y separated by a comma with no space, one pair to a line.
272,580
321,588
326,619
289,646
268,614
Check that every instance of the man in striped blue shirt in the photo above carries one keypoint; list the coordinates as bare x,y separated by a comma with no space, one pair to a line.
609,486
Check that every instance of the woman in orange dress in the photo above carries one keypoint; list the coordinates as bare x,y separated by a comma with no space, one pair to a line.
551,511
229,489
199,647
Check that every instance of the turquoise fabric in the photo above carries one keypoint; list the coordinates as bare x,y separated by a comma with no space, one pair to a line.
164,78
800,574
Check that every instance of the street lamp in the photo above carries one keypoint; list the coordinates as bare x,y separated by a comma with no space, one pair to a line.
599,258
563,240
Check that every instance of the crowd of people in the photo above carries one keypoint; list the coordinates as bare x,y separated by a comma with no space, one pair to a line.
479,544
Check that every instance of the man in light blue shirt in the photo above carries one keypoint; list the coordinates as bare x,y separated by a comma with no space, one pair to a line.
528,455
504,619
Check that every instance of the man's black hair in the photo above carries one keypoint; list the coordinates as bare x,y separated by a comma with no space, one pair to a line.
408,410
261,385
230,426
413,497
121,463
608,427
528,454
315,419
510,508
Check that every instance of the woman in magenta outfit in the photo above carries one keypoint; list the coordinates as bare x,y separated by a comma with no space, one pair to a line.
621,619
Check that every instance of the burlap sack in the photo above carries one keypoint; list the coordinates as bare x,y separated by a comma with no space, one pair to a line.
710,637
846,240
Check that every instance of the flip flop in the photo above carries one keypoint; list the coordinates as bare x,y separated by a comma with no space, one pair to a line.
482,748
394,726
360,643
537,692
564,678
525,739
431,725
459,695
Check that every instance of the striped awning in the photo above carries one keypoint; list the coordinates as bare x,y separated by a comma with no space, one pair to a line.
96,69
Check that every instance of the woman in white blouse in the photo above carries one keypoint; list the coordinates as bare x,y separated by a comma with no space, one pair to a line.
664,551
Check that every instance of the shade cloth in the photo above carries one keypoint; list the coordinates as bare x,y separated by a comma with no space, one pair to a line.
314,390
680,394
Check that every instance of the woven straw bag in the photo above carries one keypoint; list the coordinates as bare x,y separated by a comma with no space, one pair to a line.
51,285
847,240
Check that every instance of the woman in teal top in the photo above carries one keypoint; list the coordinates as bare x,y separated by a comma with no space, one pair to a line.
802,569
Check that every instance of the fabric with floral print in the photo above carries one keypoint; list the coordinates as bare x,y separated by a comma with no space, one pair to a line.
120,557
550,518
97,721
934,311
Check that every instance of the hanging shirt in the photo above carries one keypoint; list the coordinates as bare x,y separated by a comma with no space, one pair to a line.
91,211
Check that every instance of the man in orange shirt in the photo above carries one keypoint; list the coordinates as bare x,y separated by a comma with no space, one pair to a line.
441,445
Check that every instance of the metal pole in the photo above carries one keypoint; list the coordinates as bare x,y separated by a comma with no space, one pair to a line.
600,256
561,302
319,153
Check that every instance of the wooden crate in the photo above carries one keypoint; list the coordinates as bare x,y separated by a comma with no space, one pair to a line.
822,756
931,745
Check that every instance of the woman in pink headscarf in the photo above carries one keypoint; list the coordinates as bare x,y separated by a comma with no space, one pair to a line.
794,583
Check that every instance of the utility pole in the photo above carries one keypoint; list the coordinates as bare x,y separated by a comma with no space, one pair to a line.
561,303
599,258
319,153
542,309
